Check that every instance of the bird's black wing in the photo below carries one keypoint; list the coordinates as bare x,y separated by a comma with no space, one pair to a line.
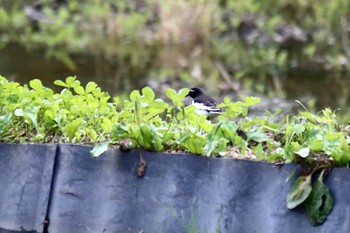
207,101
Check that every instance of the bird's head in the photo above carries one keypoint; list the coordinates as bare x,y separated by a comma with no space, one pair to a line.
194,92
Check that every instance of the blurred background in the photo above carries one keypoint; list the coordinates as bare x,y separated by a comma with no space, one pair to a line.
279,50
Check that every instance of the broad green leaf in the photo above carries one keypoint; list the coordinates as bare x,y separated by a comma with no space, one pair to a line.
257,136
148,94
116,100
319,204
99,149
36,84
134,95
250,100
157,107
279,151
146,137
183,92
304,152
106,125
216,145
91,133
332,136
341,157
210,146
309,116
171,94
299,129
167,137
49,115
39,136
159,104
71,80
227,100
98,93
19,112
299,191
316,145
90,87
194,145
235,108
222,145
230,130
258,150
4,121
156,141
13,98
60,83
120,131
193,142
31,114
71,128
79,90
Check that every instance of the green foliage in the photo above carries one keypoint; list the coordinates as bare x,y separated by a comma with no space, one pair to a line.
310,134
85,114
76,114
315,197
319,204
99,149
299,191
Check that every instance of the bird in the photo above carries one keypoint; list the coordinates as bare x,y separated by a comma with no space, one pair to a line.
204,104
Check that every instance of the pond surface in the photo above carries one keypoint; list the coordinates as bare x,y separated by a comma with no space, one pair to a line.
18,64
326,90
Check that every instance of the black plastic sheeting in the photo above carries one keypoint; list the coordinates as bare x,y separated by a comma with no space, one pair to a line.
179,193
25,182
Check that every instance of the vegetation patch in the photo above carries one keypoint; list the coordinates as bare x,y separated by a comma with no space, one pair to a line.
87,115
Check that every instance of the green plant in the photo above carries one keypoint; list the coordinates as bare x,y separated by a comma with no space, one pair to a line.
81,114
77,114
315,197
87,115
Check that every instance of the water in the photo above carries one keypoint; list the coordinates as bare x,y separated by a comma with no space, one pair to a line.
325,90
18,64
312,88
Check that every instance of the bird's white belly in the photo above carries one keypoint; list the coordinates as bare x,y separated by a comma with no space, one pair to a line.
201,109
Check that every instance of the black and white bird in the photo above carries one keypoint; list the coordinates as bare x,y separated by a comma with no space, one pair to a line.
204,104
